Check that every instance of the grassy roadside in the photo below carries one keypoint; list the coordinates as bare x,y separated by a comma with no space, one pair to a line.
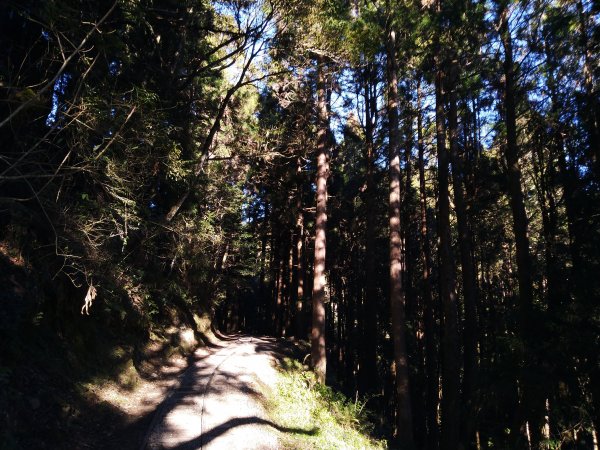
315,415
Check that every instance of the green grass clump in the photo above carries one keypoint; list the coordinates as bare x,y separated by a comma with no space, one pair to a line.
313,416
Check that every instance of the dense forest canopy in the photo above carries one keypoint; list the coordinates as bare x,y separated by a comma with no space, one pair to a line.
413,186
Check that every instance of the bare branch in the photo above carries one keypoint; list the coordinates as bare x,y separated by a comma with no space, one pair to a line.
66,62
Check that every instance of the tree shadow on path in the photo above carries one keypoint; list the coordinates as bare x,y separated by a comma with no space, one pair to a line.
219,430
196,380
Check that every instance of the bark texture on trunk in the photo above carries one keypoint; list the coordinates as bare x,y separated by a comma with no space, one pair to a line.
299,264
318,354
404,431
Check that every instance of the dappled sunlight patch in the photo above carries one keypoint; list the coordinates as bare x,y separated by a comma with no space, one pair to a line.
133,396
187,339
204,329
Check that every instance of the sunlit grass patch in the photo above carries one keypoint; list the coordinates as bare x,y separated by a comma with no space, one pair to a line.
313,416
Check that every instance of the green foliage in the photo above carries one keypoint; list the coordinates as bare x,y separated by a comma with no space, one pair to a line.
85,192
324,419
366,31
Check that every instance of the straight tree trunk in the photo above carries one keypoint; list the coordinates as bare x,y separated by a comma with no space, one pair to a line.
450,342
545,179
468,273
271,301
350,335
404,431
318,354
529,410
369,376
290,288
299,264
263,269
431,356
278,318
407,218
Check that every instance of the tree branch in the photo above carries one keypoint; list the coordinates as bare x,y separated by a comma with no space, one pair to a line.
60,71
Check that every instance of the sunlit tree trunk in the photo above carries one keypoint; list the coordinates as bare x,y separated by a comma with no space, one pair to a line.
318,355
404,432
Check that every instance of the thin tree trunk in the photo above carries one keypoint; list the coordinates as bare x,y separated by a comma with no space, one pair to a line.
431,357
263,269
404,431
528,384
318,355
407,220
290,288
468,274
273,270
350,341
278,318
555,285
299,263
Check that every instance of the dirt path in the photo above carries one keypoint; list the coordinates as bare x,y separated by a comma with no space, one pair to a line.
218,404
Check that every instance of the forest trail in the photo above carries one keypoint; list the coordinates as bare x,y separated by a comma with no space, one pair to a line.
219,401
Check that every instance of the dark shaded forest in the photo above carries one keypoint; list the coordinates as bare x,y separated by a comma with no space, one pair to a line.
412,186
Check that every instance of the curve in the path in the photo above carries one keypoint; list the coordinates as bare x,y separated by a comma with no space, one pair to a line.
218,403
